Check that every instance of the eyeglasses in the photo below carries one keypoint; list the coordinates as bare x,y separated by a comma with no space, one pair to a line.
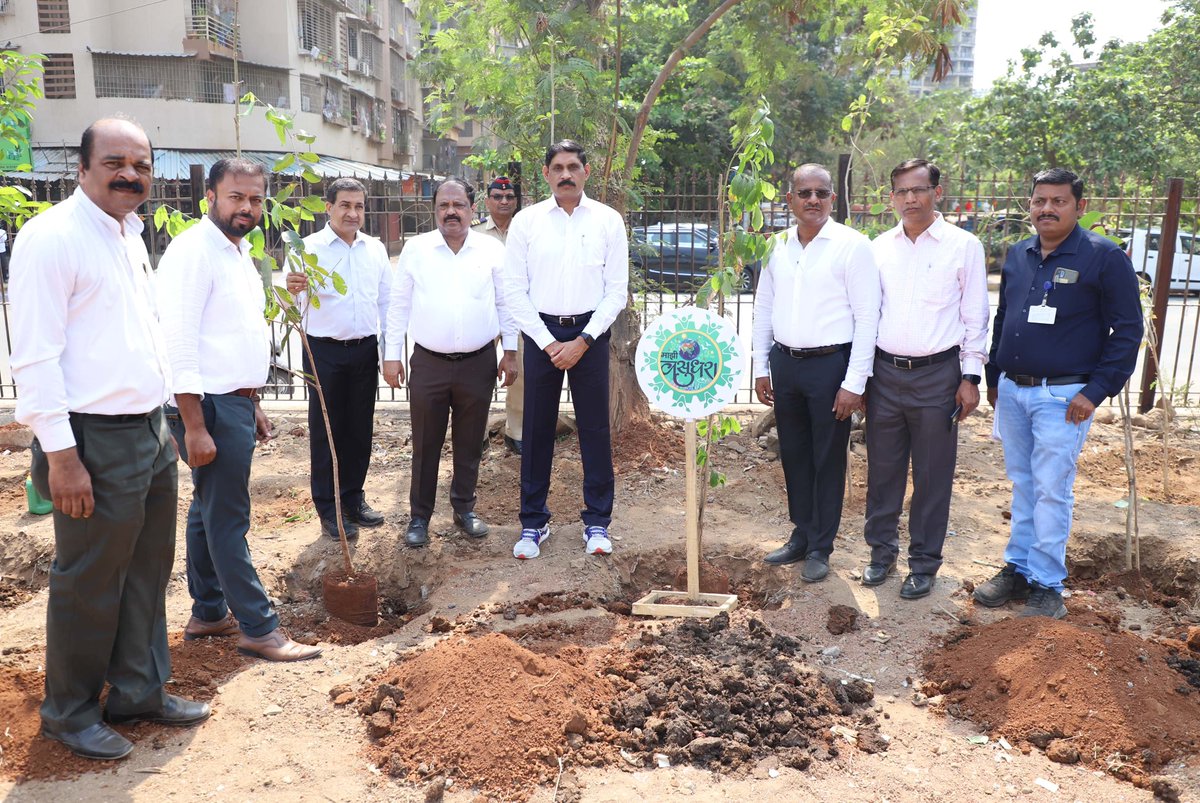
822,194
900,192
503,197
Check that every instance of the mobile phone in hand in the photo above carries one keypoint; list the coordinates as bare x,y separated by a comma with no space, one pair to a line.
954,416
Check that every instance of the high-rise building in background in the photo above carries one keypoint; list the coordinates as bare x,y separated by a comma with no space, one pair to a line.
344,67
962,53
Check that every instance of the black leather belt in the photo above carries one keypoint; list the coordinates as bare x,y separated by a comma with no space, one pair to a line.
819,351
567,320
119,418
347,343
456,356
1026,381
908,363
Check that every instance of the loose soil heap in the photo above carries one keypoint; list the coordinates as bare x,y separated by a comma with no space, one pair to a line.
705,693
485,711
1091,694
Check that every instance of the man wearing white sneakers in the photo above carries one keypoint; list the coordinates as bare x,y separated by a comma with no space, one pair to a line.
567,269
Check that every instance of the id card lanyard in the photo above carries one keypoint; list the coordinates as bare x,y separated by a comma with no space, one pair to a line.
1043,313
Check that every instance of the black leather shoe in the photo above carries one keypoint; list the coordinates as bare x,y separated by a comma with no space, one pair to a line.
513,444
329,528
418,532
791,552
95,741
366,516
816,568
917,586
175,711
876,573
471,524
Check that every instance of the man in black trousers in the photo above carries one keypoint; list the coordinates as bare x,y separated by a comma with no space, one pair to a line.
344,332
815,316
567,267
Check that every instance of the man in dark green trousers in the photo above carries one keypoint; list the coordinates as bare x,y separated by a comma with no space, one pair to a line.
91,369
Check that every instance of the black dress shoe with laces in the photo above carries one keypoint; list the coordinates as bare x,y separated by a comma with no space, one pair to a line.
329,528
917,586
513,444
816,568
96,741
175,711
471,524
793,551
366,516
417,534
876,573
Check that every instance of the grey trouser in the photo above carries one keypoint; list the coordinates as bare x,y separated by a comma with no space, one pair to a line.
106,618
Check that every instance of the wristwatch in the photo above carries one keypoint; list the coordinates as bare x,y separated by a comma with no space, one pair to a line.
588,339
974,379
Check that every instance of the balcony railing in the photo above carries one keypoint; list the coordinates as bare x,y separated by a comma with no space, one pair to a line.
212,29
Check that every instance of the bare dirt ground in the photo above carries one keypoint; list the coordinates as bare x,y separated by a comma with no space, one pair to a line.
516,680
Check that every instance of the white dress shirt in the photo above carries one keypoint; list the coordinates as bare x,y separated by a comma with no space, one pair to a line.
447,302
934,294
820,295
212,303
561,264
367,269
85,333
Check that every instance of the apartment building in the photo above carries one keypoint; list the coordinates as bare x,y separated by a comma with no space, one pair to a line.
962,52
344,67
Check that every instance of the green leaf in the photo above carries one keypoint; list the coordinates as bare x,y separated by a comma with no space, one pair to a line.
310,176
160,217
313,203
715,479
309,157
339,284
257,242
878,209
847,123
286,161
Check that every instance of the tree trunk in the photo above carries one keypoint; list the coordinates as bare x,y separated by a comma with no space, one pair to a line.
626,402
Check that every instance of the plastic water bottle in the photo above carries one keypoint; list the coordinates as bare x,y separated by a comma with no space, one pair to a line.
34,501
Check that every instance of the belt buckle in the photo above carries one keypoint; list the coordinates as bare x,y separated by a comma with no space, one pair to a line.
566,320
906,360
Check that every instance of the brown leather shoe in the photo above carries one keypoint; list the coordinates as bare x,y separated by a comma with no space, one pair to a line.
198,628
276,646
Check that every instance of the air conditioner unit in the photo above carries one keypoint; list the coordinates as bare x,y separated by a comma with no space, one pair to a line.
364,68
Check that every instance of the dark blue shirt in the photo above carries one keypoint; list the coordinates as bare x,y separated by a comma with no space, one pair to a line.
1098,324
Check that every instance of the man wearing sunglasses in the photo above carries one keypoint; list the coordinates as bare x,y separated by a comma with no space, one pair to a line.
815,316
928,360
502,203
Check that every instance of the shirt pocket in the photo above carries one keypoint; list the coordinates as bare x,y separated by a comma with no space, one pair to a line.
939,289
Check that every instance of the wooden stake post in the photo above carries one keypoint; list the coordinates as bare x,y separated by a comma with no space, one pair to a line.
716,603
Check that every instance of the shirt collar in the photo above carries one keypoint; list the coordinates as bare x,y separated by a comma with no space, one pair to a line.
1067,246
219,240
826,232
329,236
936,230
469,242
584,203
133,224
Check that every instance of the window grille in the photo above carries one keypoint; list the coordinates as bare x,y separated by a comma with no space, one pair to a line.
318,28
54,16
185,78
399,75
311,94
58,78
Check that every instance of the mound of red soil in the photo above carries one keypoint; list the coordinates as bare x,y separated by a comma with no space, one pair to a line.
1036,680
486,711
644,445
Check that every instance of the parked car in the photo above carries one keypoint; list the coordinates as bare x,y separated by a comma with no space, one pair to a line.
680,256
997,230
1142,246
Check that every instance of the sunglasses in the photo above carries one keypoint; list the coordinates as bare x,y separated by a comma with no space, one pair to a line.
822,194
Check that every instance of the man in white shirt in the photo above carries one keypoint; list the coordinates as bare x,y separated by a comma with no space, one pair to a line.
815,316
90,364
502,203
449,298
219,343
567,266
344,333
929,358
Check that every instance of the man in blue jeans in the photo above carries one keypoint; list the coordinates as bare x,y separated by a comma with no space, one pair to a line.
1065,338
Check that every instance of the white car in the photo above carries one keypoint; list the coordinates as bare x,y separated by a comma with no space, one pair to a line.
1142,246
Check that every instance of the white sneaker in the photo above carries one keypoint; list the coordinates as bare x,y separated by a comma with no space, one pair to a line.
529,544
596,538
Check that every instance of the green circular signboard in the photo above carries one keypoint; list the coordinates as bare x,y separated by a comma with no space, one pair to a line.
690,362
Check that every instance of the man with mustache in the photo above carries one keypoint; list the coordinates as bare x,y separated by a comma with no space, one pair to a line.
90,363
220,349
344,333
928,359
1065,338
449,298
815,317
502,203
567,266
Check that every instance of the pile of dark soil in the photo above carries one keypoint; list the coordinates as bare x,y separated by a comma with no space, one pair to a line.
711,694
12,594
1094,695
309,623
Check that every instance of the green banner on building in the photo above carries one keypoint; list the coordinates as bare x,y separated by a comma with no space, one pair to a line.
13,155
